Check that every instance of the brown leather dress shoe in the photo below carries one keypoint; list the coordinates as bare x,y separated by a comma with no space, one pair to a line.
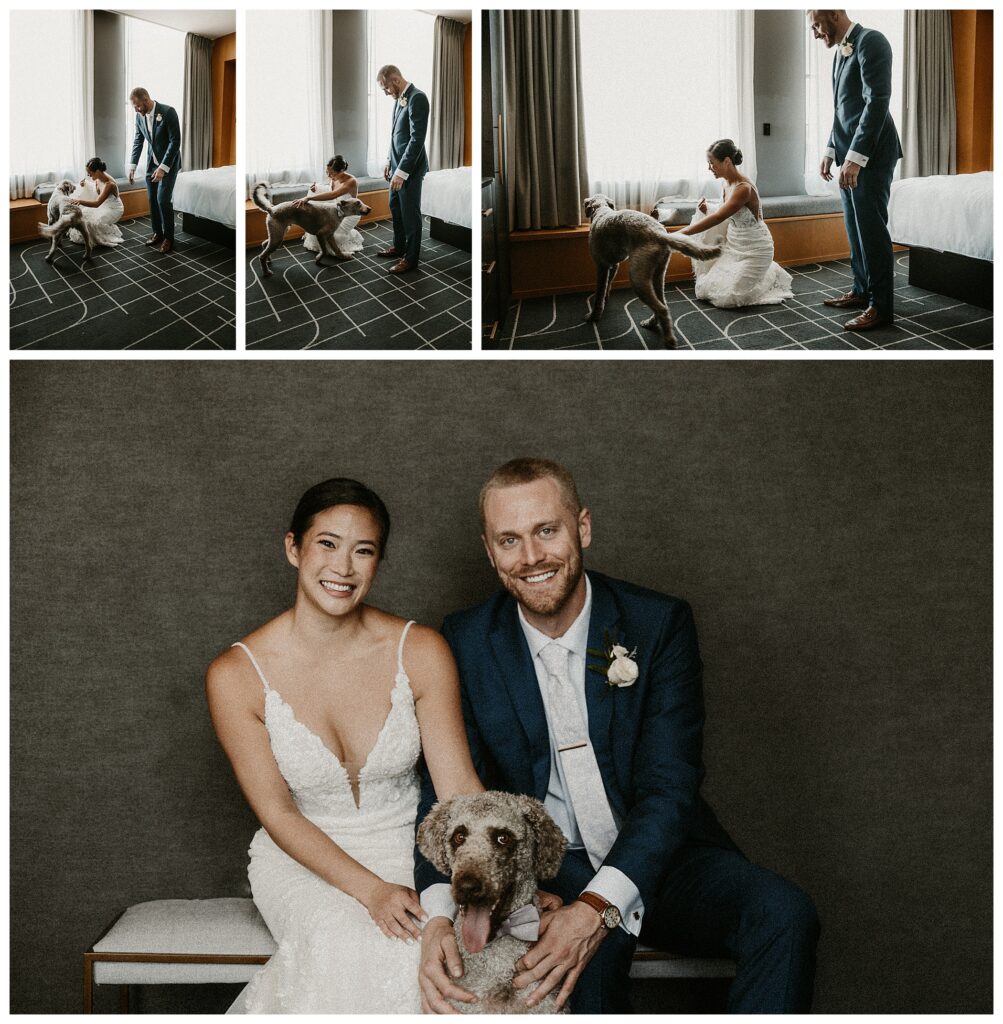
154,240
848,301
167,247
402,267
390,253
869,320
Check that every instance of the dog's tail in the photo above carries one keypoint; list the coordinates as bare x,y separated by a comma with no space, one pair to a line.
258,195
67,220
695,251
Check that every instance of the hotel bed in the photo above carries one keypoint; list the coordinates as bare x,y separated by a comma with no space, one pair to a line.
947,222
445,199
207,201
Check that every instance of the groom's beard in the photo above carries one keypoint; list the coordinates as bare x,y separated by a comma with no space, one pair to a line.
549,598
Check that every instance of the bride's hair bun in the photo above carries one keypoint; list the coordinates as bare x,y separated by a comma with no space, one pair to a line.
338,164
725,149
96,164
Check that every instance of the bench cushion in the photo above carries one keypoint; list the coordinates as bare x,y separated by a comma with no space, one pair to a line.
226,926
283,191
680,212
44,191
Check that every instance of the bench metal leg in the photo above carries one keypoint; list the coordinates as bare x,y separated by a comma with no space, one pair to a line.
88,984
123,998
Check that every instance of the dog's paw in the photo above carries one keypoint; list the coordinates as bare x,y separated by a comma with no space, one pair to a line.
651,323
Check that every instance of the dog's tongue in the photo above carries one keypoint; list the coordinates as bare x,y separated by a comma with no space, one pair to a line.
476,928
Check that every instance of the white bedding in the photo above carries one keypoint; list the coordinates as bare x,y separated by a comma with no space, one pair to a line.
446,195
211,194
946,213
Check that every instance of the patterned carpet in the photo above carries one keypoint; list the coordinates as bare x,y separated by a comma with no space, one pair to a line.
127,297
358,304
924,320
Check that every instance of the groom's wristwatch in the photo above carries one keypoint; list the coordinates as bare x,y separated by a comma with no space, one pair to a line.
608,914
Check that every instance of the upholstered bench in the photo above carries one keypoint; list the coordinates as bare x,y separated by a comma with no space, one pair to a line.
43,192
224,941
675,213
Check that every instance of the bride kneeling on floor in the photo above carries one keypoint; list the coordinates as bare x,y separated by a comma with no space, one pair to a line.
98,197
346,238
744,274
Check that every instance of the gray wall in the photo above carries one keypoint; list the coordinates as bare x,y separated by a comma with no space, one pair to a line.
110,91
351,89
829,521
780,100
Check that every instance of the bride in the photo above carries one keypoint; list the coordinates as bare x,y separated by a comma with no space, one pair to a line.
744,274
98,195
347,238
323,713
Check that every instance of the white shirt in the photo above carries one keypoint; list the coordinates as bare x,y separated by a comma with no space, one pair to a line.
852,154
609,882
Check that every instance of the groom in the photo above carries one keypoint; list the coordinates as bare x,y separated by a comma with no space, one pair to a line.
406,166
585,692
865,146
157,126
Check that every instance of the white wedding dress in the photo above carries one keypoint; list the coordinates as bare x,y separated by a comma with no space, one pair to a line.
347,238
332,957
744,274
102,220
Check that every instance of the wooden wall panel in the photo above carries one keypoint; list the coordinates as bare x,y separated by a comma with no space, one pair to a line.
972,33
224,101
468,96
557,261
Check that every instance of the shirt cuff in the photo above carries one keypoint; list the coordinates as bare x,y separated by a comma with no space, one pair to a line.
615,887
400,174
437,901
132,167
857,158
164,167
830,153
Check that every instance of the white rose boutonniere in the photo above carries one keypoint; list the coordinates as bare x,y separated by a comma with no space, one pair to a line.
846,49
160,118
621,667
402,103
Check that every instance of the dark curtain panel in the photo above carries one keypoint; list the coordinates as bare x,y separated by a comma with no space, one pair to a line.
930,131
196,121
544,160
446,128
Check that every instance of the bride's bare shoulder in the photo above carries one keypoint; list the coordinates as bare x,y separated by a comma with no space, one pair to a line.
231,675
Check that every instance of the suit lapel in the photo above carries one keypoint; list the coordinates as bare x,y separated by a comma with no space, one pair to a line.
842,61
516,670
599,695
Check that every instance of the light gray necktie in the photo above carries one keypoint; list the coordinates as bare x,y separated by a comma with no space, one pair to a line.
581,771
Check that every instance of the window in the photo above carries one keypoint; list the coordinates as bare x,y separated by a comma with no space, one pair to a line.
658,88
50,76
283,137
406,39
818,86
154,61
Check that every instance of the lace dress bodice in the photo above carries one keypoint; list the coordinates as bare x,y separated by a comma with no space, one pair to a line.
332,957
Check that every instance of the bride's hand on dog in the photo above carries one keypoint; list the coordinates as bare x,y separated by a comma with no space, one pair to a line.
439,955
568,940
392,907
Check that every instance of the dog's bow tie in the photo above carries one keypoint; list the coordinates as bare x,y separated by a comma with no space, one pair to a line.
523,923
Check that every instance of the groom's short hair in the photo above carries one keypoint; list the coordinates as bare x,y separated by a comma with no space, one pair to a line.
386,71
524,471
138,94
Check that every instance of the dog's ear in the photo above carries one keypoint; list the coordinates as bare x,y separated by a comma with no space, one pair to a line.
550,841
433,840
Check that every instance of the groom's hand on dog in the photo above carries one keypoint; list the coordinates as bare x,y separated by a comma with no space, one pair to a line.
439,954
568,940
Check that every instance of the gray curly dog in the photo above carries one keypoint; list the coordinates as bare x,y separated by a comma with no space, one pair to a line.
495,846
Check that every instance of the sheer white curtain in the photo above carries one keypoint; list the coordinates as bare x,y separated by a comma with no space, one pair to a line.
51,59
154,61
659,87
407,39
289,95
818,86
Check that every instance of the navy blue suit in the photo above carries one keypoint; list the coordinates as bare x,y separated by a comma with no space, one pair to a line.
407,152
862,88
697,888
163,146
